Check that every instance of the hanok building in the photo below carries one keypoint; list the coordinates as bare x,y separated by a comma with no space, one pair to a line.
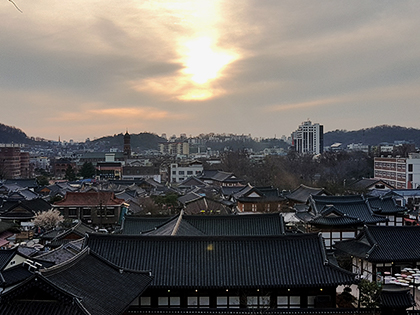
258,199
95,207
383,249
220,178
301,194
195,203
217,225
85,285
387,206
204,272
338,217
22,210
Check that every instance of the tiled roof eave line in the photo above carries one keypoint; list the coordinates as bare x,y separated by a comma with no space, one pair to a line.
370,251
323,250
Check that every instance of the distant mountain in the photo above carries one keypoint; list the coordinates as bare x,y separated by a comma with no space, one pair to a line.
373,136
139,142
12,135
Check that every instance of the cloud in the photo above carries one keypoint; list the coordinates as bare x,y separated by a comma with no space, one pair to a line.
265,66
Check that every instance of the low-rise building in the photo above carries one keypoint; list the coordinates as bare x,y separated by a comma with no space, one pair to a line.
93,207
401,173
180,172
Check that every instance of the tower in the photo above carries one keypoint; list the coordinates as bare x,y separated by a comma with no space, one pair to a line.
127,145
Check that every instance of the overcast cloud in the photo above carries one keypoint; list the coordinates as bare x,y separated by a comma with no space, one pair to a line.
79,69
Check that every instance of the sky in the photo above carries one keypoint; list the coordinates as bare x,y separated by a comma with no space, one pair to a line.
87,69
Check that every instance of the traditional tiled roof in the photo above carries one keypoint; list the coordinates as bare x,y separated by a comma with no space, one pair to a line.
5,256
61,254
86,284
396,299
191,196
206,205
359,209
228,191
219,176
250,224
385,205
364,184
104,288
133,225
217,225
385,244
105,198
335,199
258,194
225,262
302,193
330,216
23,209
18,273
192,181
58,302
23,183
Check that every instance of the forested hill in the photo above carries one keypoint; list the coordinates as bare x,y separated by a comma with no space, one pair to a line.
141,141
12,135
373,136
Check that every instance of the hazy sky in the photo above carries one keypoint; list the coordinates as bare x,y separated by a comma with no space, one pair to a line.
80,69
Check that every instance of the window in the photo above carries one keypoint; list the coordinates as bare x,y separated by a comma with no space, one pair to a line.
292,301
311,301
181,173
198,301
145,301
228,302
258,301
410,167
172,301
110,212
189,172
86,212
72,212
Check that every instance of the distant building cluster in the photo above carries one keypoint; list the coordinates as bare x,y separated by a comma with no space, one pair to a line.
168,233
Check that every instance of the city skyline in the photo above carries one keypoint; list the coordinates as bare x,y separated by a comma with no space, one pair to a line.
84,70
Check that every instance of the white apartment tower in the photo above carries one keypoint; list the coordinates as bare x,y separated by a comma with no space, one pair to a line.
309,138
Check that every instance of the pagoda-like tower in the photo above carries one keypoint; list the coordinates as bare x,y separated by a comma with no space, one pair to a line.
127,145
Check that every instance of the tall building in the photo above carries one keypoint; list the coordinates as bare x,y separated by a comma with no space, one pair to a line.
14,163
401,173
127,145
309,138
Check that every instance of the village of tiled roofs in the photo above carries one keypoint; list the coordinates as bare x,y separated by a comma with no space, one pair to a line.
206,241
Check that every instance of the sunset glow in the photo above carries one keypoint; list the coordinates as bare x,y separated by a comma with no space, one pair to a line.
204,62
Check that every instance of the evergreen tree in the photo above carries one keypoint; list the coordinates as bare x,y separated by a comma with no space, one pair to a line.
87,170
70,173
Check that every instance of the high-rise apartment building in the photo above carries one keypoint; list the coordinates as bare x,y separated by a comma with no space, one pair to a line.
309,138
14,163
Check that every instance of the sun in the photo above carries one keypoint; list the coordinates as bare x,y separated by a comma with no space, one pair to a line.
202,62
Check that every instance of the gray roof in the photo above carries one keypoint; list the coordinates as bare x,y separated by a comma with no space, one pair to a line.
217,225
225,262
385,244
302,193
